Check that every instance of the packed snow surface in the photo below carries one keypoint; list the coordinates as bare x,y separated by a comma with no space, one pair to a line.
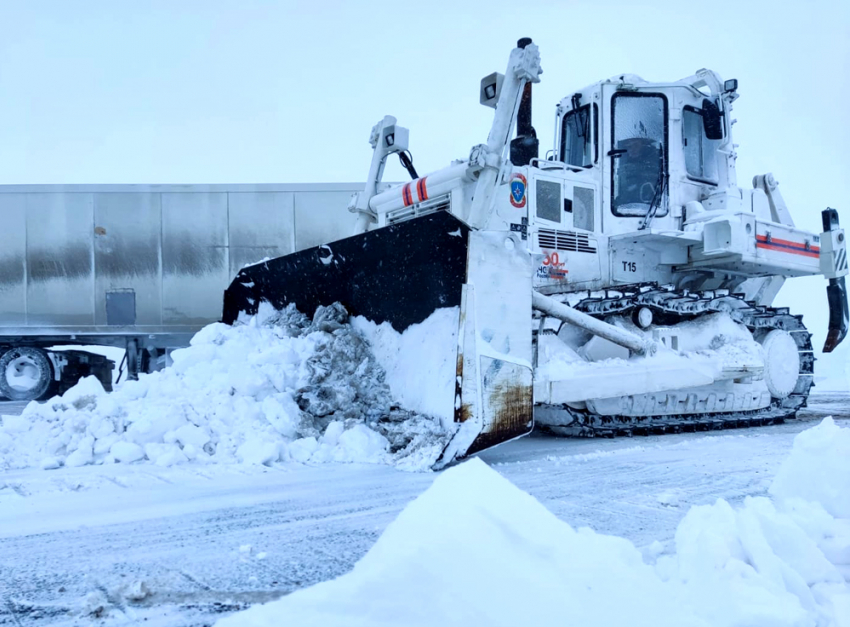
475,550
277,387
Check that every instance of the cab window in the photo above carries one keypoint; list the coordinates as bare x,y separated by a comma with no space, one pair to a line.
548,200
580,143
700,152
639,155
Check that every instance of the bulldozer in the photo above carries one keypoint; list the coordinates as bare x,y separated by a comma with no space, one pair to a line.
620,284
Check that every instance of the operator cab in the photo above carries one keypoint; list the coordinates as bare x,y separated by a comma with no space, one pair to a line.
653,147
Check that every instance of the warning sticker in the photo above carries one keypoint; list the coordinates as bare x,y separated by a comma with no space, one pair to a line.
518,186
552,267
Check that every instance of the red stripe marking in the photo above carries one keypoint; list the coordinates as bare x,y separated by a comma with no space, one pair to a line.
406,195
785,242
421,189
781,246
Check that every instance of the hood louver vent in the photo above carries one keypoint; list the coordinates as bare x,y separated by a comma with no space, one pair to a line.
566,240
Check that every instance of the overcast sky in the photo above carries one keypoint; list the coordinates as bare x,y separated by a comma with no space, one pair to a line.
260,91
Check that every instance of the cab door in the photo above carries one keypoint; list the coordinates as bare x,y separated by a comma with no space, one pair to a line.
638,159
551,217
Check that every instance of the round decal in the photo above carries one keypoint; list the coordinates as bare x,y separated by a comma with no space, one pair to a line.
518,186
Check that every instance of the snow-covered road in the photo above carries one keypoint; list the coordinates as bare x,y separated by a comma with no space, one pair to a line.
211,539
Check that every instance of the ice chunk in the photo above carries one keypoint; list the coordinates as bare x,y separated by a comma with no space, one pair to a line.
165,454
302,449
82,455
50,463
259,452
16,424
190,434
361,444
126,452
137,591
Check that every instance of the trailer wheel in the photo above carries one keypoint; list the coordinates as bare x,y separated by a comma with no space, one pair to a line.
25,374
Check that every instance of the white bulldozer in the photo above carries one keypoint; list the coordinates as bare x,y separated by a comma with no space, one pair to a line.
622,284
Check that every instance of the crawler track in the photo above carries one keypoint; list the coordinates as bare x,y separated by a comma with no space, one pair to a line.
672,306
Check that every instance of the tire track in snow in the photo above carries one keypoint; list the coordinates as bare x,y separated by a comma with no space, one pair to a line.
195,581
13,613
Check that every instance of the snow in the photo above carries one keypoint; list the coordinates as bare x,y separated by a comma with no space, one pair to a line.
475,549
708,350
275,388
68,532
817,469
420,362
709,345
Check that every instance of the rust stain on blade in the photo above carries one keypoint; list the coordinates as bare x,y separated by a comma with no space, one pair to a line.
510,411
462,410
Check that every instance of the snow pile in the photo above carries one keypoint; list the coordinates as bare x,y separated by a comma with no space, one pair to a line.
818,469
420,363
275,388
475,550
782,562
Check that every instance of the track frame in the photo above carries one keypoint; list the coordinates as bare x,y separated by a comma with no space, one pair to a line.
682,305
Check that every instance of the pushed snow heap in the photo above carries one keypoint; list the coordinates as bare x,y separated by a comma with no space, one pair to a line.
818,469
276,387
501,558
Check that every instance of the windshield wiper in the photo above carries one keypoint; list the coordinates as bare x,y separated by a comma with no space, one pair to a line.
657,198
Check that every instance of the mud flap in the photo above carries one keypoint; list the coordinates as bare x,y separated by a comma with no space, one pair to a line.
836,294
494,385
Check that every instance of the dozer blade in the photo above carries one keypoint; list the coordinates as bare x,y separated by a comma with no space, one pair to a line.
398,274
401,274
494,397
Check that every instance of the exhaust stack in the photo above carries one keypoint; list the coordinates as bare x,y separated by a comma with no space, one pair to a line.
526,146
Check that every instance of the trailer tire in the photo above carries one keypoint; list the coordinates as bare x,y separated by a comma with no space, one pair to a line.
26,374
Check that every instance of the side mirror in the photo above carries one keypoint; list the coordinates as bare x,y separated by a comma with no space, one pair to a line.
712,123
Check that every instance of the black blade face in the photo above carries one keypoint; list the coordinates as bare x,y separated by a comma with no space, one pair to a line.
398,274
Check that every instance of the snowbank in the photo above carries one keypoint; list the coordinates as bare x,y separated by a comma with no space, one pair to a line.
275,388
475,550
817,469
775,562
